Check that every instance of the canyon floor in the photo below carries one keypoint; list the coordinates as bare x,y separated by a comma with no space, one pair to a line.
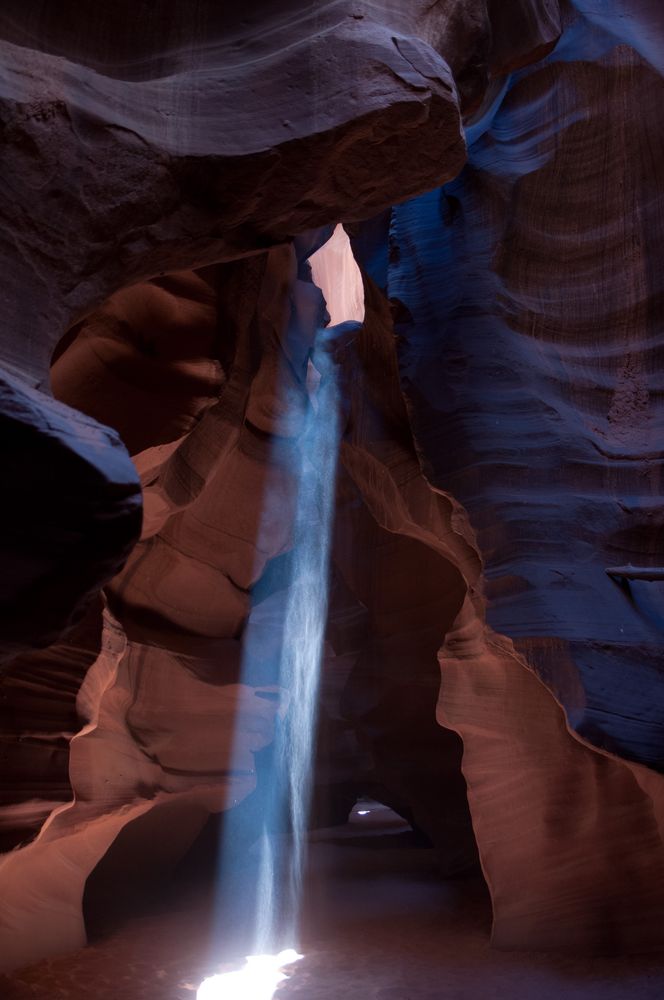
378,924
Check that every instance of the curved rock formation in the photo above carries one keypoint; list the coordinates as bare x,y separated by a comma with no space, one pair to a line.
183,598
502,445
72,512
526,299
201,162
539,406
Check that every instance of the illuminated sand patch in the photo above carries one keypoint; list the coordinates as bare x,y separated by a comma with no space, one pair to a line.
258,978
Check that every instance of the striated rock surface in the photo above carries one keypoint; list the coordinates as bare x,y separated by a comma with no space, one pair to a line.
220,133
530,345
171,656
539,402
172,172
141,146
38,718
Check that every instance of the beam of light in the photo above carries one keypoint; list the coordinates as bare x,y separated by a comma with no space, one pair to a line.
304,614
301,651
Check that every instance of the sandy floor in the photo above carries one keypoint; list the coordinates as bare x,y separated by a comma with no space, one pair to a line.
378,924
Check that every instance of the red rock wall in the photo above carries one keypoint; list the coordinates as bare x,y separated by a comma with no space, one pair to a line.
502,437
525,296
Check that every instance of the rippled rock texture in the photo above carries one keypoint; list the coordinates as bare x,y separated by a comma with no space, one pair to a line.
528,297
171,177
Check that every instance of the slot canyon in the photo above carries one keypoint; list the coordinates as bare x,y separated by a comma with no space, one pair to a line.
332,334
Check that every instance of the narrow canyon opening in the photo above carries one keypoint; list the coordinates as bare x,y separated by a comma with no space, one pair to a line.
156,362
419,449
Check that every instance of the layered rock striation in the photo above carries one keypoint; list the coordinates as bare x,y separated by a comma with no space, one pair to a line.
169,181
526,300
